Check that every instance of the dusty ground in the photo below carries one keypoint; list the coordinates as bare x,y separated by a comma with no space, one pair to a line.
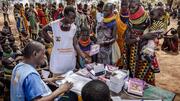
168,78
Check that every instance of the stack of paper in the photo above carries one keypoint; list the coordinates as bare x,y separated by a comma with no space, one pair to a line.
78,82
116,82
136,86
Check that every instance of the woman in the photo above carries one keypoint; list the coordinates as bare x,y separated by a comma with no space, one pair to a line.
63,56
21,22
106,35
41,15
135,40
33,19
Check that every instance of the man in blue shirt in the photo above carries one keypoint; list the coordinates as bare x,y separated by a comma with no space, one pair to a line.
26,83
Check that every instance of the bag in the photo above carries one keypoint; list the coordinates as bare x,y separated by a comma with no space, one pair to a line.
116,53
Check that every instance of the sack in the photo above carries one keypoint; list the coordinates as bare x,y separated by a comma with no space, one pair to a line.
116,53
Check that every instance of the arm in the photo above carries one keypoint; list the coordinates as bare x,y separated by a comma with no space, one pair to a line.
129,40
34,89
79,51
53,79
45,34
62,89
76,46
51,97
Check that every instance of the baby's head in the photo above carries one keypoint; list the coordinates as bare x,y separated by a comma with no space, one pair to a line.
9,63
173,31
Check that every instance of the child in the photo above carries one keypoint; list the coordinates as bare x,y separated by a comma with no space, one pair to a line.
24,39
148,52
6,28
170,43
8,64
11,40
7,51
84,43
96,90
2,37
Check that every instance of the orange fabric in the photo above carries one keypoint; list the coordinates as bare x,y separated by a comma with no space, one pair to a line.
121,28
80,98
24,20
42,17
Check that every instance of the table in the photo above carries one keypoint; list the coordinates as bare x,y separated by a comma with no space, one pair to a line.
151,93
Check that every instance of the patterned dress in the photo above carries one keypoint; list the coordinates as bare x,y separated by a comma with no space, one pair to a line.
105,54
138,67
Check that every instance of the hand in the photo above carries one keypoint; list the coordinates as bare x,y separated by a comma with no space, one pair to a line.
65,87
88,59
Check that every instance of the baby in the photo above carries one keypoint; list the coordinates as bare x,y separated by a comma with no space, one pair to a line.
148,51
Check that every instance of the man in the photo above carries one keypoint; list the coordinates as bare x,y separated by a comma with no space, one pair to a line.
26,83
96,91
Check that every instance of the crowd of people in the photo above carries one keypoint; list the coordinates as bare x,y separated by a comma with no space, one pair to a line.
59,38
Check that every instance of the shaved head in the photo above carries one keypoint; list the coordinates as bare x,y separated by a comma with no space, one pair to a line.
31,48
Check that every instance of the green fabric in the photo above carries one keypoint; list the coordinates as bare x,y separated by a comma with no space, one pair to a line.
156,92
32,21
7,55
8,71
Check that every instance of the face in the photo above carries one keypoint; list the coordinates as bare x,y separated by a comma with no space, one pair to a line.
85,35
12,63
70,18
61,8
156,14
15,48
124,5
107,11
133,7
7,49
39,57
80,7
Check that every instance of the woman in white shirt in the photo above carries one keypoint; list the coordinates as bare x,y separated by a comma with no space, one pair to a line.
63,56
